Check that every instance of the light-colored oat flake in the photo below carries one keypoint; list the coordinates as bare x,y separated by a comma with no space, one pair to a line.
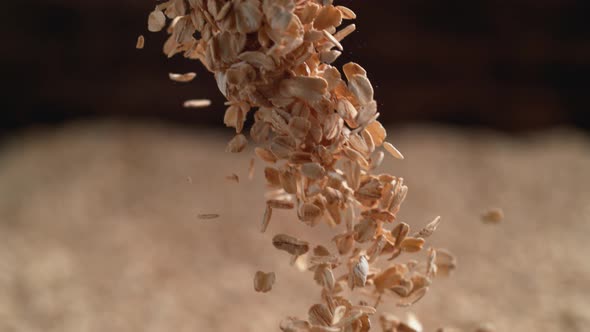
197,103
140,42
315,127
156,21
393,150
251,168
493,216
182,78
263,281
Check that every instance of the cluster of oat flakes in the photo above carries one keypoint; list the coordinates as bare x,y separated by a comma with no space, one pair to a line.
319,133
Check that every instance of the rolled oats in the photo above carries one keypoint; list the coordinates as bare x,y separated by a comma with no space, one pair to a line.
318,129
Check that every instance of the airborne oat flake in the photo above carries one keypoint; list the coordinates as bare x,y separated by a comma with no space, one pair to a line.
318,134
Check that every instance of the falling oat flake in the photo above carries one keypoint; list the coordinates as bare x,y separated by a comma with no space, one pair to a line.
493,216
197,103
251,169
233,177
263,281
208,216
140,42
182,78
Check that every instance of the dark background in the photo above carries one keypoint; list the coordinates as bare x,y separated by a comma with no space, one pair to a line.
514,66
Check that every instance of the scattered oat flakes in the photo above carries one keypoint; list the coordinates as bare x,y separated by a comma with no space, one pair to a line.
317,128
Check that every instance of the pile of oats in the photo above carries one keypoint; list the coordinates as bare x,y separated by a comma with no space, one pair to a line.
317,131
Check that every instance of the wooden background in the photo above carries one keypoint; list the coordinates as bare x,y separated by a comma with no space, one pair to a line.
514,66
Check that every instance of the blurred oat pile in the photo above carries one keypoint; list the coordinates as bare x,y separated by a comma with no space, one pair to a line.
99,231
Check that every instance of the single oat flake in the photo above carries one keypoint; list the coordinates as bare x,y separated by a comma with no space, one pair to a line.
251,169
197,103
393,150
493,216
208,216
233,177
182,78
140,42
263,282
156,21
